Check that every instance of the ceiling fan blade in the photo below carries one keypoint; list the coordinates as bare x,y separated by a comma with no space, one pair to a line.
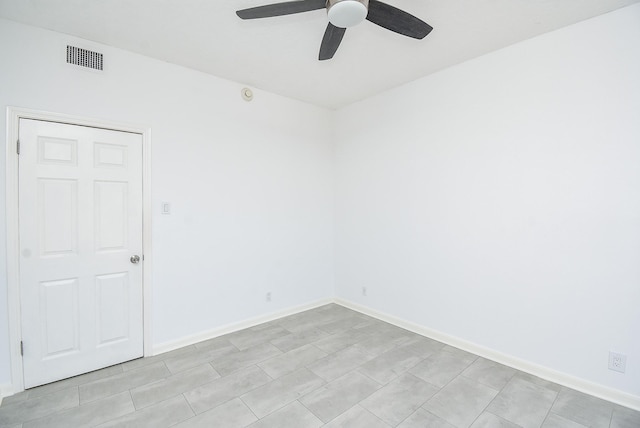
397,20
278,9
330,42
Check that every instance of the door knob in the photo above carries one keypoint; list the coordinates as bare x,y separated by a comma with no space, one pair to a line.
135,259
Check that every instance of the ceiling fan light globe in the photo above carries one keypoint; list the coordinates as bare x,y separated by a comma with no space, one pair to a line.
347,13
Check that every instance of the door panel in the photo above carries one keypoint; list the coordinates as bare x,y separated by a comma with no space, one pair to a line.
80,222
112,303
57,151
58,202
111,215
59,321
110,156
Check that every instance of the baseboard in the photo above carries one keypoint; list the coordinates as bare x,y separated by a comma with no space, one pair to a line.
230,328
582,385
6,389
588,387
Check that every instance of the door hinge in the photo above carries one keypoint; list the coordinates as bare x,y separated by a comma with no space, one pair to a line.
21,348
18,147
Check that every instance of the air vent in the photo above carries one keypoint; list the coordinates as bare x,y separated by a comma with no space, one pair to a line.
84,58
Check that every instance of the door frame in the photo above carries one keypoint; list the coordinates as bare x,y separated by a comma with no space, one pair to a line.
14,114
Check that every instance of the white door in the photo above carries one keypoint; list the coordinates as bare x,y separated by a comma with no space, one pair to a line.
80,197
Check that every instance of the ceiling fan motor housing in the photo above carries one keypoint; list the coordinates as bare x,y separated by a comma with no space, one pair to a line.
347,13
343,14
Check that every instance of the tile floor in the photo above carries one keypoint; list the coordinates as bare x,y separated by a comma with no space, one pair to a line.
328,367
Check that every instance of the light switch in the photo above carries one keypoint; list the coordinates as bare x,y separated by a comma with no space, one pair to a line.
166,208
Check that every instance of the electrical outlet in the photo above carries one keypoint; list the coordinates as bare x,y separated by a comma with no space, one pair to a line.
268,296
617,362
364,291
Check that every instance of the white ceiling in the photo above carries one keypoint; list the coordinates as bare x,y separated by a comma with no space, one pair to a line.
280,54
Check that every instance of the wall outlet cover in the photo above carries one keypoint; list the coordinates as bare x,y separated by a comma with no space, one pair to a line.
617,362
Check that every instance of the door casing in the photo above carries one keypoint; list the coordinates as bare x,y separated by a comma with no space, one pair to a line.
14,114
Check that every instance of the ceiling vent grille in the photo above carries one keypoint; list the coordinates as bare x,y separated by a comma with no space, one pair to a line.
84,58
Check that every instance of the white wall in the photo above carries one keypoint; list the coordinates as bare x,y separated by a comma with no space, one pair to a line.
250,183
498,201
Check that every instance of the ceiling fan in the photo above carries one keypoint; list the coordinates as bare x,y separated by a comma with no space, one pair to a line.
343,14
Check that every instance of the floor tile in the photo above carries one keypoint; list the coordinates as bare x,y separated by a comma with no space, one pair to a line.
305,321
357,417
290,361
335,365
296,340
582,408
386,367
422,346
164,389
374,326
280,392
201,356
333,308
400,398
338,396
489,373
461,401
383,342
459,352
26,410
440,368
489,420
122,382
328,365
523,403
343,324
214,393
245,358
75,381
87,415
377,329
422,418
294,415
232,414
213,343
340,341
142,362
161,415
537,381
251,337
555,421
625,418
15,398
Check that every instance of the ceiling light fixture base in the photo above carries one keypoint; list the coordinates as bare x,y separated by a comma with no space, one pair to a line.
347,13
247,94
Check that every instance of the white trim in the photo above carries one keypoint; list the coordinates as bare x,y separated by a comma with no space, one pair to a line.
6,390
591,388
13,248
230,328
14,114
147,258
